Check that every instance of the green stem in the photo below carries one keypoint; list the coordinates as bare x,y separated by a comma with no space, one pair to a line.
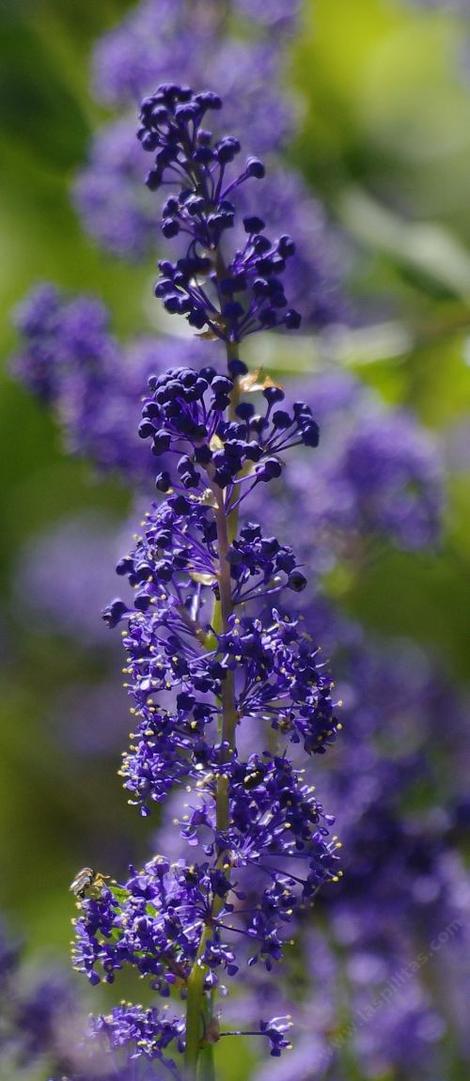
195,1010
206,1070
199,1056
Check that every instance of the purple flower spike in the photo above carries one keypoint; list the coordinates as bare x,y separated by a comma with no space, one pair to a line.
201,664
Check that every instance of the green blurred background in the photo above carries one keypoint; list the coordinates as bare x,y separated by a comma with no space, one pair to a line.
385,141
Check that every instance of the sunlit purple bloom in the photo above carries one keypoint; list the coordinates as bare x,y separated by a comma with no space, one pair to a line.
156,919
148,1032
286,685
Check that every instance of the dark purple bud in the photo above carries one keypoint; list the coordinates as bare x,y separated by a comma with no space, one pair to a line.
163,482
281,419
114,612
269,470
286,246
153,179
255,168
170,228
292,319
237,368
209,100
273,394
296,581
253,224
245,410
146,429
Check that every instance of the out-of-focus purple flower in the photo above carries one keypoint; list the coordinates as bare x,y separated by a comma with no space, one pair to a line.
95,386
91,719
115,208
65,573
271,13
161,39
61,336
70,359
461,7
377,475
368,1004
39,1010
392,467
45,1032
10,952
44,1013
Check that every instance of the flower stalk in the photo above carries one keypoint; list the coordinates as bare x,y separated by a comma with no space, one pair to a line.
200,1004
205,649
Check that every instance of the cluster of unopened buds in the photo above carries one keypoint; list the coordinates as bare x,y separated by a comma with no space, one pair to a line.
234,297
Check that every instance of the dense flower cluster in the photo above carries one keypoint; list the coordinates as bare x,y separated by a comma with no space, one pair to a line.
231,298
108,196
179,550
186,413
399,499
150,1030
200,670
157,920
160,38
172,648
281,683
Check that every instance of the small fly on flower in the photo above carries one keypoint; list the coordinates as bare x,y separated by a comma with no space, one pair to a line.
88,883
